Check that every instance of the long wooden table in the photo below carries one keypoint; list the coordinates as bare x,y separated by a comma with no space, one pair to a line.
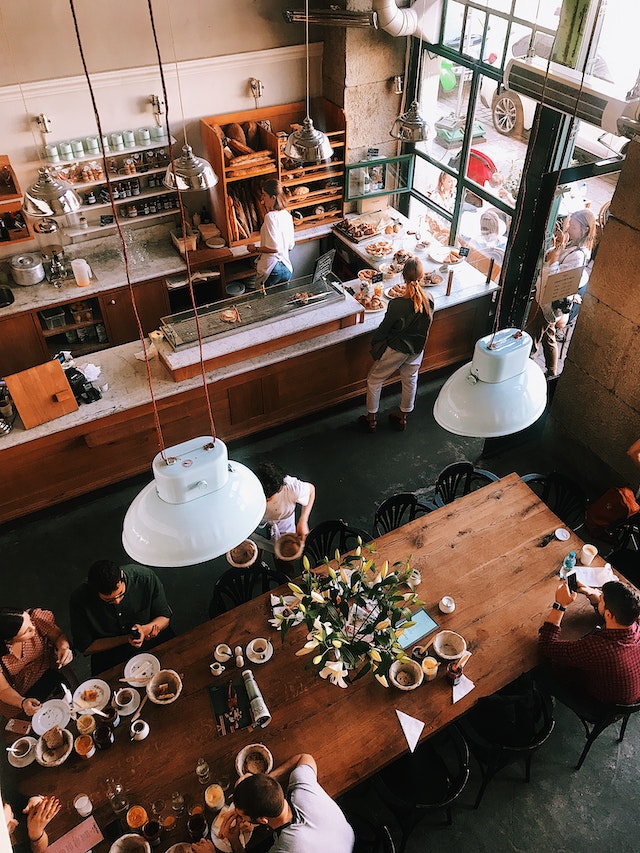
482,549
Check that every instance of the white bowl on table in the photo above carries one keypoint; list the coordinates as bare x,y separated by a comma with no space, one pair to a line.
449,646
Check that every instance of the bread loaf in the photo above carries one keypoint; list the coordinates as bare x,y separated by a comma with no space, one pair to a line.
53,738
234,131
251,133
300,191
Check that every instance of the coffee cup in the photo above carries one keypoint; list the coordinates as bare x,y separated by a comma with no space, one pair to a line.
430,668
447,604
588,554
216,668
214,797
259,647
139,730
21,747
86,724
124,698
84,746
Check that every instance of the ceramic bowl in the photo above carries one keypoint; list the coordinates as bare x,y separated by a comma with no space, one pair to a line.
130,843
406,675
288,547
449,646
254,758
243,555
156,689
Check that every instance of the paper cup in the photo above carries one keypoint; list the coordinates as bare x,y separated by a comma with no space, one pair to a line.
588,554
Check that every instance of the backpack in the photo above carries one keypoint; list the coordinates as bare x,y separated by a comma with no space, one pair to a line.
614,506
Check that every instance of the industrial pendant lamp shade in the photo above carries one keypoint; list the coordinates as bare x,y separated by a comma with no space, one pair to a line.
308,145
50,196
410,126
199,506
191,173
500,392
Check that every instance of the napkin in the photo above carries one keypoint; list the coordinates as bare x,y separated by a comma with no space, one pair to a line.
411,727
281,605
464,686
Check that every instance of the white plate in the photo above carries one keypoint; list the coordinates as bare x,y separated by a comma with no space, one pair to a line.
60,757
438,254
253,657
562,534
181,847
222,843
53,712
595,575
132,707
386,293
143,665
25,760
102,689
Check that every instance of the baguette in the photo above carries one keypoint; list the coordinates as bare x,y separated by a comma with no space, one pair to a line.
234,132
248,158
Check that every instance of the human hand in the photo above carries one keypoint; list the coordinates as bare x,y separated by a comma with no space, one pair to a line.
564,596
302,529
30,706
202,846
230,825
64,655
137,635
252,249
39,816
591,593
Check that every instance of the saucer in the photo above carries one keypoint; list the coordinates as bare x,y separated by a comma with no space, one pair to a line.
130,708
24,760
102,691
253,657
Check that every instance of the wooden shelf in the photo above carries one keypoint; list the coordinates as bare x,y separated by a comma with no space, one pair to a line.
116,178
123,220
97,155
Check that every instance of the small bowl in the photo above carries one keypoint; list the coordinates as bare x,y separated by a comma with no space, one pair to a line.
254,758
243,555
288,547
130,843
235,288
406,675
449,646
156,689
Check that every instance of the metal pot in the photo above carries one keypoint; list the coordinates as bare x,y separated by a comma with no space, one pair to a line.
27,269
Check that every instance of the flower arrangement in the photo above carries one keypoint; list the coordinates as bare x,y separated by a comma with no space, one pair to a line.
355,615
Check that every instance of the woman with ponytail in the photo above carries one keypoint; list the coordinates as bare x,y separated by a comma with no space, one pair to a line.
398,345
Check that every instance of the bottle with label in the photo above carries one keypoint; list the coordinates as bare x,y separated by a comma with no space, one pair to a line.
568,564
259,711
202,771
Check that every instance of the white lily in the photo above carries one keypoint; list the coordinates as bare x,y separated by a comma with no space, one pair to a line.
317,597
335,672
382,679
308,647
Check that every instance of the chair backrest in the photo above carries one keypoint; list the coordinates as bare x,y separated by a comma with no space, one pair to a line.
383,842
561,494
235,586
326,537
459,479
398,510
626,534
509,722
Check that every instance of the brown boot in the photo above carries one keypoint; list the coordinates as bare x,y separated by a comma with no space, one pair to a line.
368,422
398,420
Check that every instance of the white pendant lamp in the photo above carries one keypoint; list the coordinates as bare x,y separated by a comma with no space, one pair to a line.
501,391
50,196
308,145
189,172
199,506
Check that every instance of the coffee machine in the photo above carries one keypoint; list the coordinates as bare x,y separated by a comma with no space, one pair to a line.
50,243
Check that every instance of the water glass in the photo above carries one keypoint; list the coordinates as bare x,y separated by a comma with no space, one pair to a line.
177,802
197,827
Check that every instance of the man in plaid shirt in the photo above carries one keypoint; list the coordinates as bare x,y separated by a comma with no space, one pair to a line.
606,662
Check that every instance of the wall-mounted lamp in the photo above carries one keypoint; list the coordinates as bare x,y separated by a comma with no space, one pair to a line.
158,106
257,89
397,83
44,123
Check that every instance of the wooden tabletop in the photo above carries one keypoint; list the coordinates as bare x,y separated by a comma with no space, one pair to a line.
482,550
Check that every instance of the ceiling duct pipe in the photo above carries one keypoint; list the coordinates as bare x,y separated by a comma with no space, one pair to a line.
409,21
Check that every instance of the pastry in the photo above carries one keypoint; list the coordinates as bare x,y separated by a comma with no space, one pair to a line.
53,738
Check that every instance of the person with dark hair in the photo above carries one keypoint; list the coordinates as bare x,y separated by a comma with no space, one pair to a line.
604,664
306,820
283,493
40,811
35,651
398,344
117,612
277,237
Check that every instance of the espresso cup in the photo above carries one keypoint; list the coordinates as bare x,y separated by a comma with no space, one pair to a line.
83,805
214,798
447,604
588,554
21,747
139,730
85,747
124,698
259,647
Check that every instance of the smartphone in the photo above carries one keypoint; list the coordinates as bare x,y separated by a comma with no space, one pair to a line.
19,727
135,634
572,581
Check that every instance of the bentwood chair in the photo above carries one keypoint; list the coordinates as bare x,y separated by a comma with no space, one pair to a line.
458,479
561,494
328,536
507,727
625,552
399,509
425,781
236,586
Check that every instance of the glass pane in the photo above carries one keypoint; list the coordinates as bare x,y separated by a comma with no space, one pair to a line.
484,230
617,45
453,25
542,12
473,33
427,222
496,38
443,102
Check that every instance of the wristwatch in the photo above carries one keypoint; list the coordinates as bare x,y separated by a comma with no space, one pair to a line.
557,606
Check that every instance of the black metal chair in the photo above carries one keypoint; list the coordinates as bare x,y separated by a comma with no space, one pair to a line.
562,495
625,552
398,510
458,479
505,728
425,781
236,586
328,536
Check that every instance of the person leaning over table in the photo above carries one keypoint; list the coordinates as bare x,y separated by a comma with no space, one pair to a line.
305,820
605,664
39,811
30,668
277,237
398,345
283,494
118,612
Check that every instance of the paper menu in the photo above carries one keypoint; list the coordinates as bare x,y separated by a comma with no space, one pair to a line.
80,839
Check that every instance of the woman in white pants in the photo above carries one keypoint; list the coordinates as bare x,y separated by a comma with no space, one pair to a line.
398,345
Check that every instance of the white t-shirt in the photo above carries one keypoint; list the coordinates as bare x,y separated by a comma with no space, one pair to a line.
276,233
281,508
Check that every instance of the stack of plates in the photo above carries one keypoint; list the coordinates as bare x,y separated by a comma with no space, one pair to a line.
235,288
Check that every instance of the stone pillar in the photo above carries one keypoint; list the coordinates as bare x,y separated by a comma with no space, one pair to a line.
595,414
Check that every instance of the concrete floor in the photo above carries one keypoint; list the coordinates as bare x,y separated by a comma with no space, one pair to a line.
46,555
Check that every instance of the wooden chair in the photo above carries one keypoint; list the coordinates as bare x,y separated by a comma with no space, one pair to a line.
328,536
458,479
236,586
425,781
398,510
561,494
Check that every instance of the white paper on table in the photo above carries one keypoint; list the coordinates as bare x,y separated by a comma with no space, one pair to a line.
464,686
91,371
82,837
411,727
595,575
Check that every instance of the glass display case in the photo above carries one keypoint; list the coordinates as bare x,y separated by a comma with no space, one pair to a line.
378,177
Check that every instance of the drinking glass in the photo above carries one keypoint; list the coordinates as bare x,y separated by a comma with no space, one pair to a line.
197,827
117,796
177,802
